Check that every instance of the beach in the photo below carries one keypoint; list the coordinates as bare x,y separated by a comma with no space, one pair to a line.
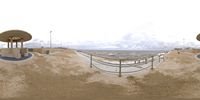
65,75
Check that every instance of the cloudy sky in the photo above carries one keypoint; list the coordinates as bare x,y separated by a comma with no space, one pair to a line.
117,24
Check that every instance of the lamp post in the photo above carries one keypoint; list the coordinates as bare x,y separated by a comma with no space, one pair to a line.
50,40
184,43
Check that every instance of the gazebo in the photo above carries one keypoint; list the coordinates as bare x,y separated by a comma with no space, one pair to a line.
14,37
198,37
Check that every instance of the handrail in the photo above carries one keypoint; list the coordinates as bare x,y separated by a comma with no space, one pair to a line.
97,60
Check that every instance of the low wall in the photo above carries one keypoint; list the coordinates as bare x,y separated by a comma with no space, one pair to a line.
196,50
24,52
14,52
39,50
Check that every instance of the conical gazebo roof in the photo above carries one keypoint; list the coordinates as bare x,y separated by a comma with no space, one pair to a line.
16,35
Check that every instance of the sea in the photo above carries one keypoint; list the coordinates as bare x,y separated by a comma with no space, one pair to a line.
124,54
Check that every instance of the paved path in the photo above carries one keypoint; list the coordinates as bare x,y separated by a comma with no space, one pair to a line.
15,59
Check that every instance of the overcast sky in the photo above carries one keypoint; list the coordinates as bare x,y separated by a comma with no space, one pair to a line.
104,21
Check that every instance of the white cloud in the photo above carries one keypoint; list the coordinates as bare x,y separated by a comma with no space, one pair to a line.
103,21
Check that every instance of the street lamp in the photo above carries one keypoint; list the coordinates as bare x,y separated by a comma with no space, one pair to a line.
50,40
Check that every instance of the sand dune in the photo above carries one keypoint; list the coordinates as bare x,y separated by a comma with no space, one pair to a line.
64,75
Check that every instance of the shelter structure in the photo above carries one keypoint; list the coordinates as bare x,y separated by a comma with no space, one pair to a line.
15,37
198,37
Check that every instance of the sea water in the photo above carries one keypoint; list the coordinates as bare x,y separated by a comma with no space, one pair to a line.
124,54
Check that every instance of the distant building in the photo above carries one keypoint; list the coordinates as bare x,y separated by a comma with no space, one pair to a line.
14,38
178,49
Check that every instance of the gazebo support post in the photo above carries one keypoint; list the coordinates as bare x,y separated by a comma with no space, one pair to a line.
16,44
21,43
11,43
8,44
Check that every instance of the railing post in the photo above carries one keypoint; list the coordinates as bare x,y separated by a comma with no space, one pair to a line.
152,62
120,68
91,61
163,58
145,60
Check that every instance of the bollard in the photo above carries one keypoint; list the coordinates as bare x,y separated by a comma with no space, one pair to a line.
152,63
91,61
120,68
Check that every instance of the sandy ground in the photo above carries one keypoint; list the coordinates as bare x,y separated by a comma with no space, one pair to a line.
64,75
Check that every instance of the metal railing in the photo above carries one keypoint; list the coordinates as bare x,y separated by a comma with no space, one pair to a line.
122,65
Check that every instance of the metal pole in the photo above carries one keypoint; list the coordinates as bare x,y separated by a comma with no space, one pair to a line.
120,68
152,63
50,40
90,61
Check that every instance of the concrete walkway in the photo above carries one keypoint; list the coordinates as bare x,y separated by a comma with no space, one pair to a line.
15,59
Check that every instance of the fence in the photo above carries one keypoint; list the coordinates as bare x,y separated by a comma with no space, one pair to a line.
123,65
